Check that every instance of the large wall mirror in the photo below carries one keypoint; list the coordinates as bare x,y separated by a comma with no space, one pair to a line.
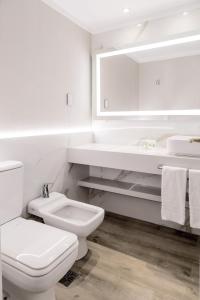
161,78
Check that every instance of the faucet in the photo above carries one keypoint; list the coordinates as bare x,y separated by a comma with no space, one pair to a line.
45,190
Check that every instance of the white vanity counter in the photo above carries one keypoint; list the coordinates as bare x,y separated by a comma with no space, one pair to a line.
127,157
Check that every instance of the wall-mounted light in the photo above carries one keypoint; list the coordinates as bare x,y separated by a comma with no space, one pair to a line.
42,132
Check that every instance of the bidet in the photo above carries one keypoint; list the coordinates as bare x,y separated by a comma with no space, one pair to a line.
69,215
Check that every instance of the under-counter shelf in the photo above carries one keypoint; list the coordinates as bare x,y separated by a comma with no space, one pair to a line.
123,188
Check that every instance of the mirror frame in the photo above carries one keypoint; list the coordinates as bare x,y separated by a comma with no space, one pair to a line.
97,84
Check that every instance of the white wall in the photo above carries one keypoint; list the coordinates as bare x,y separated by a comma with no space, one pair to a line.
119,83
43,56
128,85
179,84
45,161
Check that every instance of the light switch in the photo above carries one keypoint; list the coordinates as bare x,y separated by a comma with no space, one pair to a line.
69,99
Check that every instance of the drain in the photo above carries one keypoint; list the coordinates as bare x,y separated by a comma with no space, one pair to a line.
69,277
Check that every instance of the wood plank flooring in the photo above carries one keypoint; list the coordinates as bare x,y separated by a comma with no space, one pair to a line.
134,260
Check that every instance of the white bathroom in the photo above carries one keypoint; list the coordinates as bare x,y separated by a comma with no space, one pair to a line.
99,149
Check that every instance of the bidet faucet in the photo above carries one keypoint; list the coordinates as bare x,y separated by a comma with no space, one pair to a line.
45,190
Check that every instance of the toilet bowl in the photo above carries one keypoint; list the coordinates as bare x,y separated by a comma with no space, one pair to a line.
35,257
73,216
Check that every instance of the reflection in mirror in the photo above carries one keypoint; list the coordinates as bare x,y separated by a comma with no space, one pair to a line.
119,83
167,78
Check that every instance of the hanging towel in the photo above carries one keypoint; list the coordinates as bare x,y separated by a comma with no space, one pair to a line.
174,182
194,198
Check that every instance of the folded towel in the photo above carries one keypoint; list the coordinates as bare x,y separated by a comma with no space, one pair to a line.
174,182
194,198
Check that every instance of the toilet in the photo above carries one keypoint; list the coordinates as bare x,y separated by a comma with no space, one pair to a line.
73,216
34,256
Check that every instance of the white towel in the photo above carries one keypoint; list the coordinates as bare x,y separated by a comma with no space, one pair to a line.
174,182
194,198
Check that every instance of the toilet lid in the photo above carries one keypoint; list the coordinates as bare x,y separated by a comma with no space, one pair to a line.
30,245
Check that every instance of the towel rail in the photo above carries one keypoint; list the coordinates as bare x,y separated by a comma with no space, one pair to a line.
160,167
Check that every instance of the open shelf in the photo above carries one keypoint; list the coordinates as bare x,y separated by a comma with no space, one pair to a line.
123,188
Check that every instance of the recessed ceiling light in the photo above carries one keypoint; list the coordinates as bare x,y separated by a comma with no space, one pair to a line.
126,10
185,13
139,25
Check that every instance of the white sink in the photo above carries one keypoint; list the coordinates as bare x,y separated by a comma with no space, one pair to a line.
184,145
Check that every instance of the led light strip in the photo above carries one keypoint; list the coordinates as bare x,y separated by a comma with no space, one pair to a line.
178,41
189,112
32,133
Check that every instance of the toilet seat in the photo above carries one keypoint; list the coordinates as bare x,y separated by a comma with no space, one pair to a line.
34,248
35,255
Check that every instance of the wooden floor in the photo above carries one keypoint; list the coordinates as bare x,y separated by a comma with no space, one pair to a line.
134,260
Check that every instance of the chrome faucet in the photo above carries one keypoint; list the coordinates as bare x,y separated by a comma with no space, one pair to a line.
45,190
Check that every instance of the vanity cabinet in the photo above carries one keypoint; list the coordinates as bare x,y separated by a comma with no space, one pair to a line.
127,179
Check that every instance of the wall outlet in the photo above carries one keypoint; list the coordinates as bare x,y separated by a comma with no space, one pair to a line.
69,99
106,103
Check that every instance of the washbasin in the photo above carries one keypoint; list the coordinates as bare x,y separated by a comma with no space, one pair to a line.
184,145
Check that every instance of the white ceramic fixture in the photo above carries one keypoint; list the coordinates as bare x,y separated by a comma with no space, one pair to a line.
73,216
184,145
34,256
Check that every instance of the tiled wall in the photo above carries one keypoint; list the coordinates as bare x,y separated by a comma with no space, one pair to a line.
45,161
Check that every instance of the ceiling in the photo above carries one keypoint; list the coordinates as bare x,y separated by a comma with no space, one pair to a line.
102,15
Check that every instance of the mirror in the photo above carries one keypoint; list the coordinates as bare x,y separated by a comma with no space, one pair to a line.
160,78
